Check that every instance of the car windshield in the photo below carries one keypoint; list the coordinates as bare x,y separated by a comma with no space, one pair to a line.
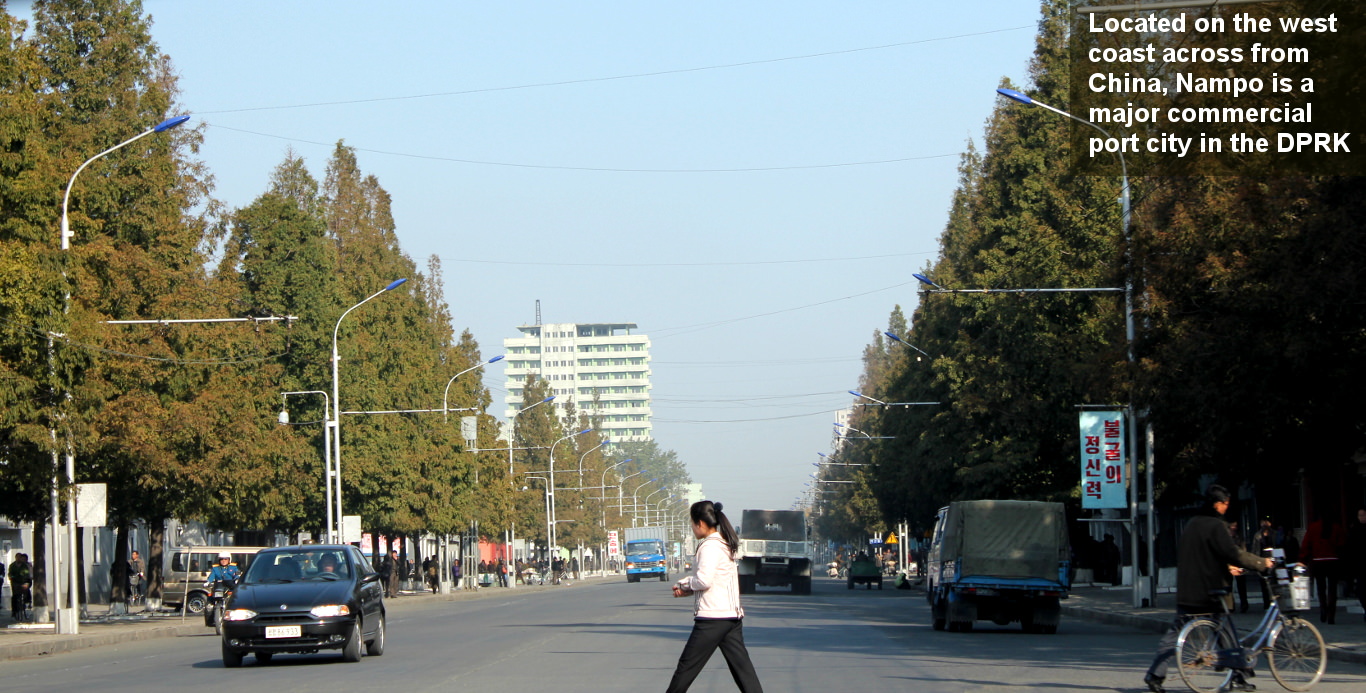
642,548
295,566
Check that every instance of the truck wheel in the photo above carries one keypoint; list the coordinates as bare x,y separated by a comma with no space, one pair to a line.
937,614
851,582
663,577
633,578
746,584
801,585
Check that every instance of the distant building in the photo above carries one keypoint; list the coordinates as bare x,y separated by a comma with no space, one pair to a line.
842,418
602,368
692,493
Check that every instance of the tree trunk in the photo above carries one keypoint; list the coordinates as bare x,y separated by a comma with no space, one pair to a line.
156,536
118,571
80,574
39,560
375,555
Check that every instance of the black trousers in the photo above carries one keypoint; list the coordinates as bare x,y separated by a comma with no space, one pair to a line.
707,635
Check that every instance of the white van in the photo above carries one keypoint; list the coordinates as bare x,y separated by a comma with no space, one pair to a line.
187,568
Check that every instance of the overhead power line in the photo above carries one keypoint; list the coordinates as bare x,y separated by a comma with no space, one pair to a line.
738,263
595,169
637,75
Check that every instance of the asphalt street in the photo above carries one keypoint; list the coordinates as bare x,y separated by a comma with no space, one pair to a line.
613,636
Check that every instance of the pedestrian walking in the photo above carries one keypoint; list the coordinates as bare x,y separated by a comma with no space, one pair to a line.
1323,541
429,567
1205,559
717,615
1356,556
137,578
1267,538
388,574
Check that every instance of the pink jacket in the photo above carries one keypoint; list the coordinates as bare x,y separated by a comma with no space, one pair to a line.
715,582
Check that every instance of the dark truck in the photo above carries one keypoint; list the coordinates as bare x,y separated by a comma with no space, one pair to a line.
1000,561
774,551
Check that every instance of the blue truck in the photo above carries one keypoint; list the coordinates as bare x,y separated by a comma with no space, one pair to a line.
1001,561
646,553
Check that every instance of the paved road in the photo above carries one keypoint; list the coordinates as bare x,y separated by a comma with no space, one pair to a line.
608,637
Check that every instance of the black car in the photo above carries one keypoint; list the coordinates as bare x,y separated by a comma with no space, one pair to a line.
303,599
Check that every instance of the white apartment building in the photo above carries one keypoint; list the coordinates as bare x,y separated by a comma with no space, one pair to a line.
602,368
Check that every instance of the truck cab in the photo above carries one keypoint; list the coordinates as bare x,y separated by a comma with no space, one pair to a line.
646,558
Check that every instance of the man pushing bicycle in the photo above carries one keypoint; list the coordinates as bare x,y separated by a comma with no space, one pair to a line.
1206,560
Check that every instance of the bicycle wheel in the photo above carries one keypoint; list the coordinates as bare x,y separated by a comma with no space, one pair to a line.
1197,655
1297,655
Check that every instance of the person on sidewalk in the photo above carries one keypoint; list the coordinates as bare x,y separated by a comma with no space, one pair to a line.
1355,554
1206,558
717,615
1323,540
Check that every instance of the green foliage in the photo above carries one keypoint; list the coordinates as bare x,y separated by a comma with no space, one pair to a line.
1250,332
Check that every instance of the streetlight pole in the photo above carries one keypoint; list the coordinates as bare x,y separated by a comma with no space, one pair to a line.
647,502
635,501
603,484
605,441
445,408
67,619
327,454
1129,332
509,535
336,401
550,490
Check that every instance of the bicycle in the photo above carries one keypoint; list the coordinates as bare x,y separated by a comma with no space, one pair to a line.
21,600
1209,651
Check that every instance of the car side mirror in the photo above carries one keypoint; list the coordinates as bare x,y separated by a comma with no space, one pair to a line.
370,577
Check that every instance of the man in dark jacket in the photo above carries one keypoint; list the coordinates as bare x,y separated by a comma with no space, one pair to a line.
1206,560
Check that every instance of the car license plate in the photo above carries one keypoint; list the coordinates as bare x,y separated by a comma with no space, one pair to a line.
283,631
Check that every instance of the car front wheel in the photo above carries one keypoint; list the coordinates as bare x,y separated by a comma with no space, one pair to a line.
231,658
351,653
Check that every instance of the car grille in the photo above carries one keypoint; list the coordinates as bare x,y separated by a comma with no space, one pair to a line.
283,618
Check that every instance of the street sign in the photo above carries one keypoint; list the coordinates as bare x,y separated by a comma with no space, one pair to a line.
351,533
1102,459
613,545
469,428
891,538
90,505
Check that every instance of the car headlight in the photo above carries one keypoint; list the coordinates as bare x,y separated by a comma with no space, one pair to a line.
330,610
630,565
239,615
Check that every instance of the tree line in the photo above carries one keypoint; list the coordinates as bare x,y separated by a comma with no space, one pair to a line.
1250,328
180,420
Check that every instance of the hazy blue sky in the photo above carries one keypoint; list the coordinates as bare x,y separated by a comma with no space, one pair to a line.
584,154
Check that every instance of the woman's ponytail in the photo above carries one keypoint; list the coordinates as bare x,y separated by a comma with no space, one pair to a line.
709,514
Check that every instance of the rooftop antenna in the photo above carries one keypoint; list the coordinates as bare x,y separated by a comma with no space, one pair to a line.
538,312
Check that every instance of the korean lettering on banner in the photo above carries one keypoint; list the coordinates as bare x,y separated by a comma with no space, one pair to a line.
1102,459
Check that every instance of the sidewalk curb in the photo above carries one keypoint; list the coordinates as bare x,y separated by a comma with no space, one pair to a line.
70,643
81,642
1157,624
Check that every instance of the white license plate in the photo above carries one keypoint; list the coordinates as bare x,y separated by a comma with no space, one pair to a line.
283,631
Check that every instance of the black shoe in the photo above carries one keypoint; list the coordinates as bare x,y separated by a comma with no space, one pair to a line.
1154,683
1240,685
